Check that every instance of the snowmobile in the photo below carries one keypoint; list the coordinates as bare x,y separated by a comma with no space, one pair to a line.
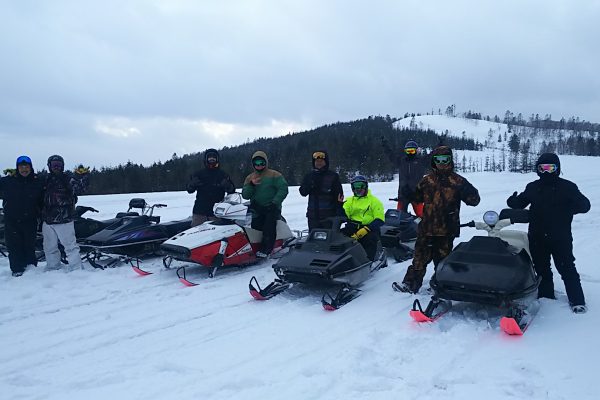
227,241
493,270
326,257
399,234
131,236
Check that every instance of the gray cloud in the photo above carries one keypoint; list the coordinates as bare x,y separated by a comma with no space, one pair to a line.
76,77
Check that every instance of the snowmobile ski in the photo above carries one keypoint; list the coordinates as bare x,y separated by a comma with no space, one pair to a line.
518,319
435,309
271,290
183,279
344,296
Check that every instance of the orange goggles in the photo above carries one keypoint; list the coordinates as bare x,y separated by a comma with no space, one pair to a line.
410,150
318,155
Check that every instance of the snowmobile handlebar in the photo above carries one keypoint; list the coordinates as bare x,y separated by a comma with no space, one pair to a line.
470,224
159,205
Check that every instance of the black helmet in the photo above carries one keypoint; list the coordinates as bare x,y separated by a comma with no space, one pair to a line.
211,158
54,160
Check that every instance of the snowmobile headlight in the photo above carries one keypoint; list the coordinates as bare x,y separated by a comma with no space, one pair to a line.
320,235
490,218
220,210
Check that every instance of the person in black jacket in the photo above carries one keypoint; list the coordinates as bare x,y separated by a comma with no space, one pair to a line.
412,166
22,196
553,202
210,185
324,191
60,196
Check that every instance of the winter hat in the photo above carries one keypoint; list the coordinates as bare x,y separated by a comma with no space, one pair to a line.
320,154
211,154
24,160
411,144
548,158
441,151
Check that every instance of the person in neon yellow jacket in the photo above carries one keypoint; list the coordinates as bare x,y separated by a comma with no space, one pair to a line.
365,214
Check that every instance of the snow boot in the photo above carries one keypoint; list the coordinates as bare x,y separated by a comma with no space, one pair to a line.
579,309
412,281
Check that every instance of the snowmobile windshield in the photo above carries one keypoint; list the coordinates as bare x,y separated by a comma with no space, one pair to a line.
442,159
547,168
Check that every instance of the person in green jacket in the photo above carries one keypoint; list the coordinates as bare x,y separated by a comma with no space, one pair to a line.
365,214
266,189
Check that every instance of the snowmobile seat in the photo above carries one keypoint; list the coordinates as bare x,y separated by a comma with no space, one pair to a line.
172,228
127,214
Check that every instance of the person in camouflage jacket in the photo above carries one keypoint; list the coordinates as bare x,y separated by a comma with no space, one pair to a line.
266,189
441,192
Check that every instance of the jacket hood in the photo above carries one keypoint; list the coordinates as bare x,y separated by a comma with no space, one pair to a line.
260,154
548,158
442,151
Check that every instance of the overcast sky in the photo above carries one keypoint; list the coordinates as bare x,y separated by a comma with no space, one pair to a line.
103,82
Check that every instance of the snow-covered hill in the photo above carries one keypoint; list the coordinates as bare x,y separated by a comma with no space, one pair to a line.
111,334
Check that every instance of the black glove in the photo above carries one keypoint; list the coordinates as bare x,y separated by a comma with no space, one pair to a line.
514,195
309,181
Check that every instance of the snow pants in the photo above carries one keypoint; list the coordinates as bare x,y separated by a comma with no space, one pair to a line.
65,233
20,242
561,250
266,221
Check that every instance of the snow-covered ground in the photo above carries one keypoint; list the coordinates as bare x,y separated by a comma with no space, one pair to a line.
114,335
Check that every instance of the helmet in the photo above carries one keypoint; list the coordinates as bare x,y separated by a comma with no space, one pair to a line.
211,158
359,186
55,160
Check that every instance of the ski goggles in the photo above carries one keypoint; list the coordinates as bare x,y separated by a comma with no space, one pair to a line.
56,164
259,162
547,168
23,160
318,155
410,150
359,186
211,160
442,159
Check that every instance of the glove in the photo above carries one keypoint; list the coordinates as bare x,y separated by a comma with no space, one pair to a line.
406,192
362,232
10,171
81,170
513,196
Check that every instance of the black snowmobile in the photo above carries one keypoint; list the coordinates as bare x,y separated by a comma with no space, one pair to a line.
326,257
399,233
493,270
131,236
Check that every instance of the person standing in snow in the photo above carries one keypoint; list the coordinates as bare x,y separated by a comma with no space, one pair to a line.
441,192
365,215
324,191
412,166
22,198
210,185
60,197
266,189
553,201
